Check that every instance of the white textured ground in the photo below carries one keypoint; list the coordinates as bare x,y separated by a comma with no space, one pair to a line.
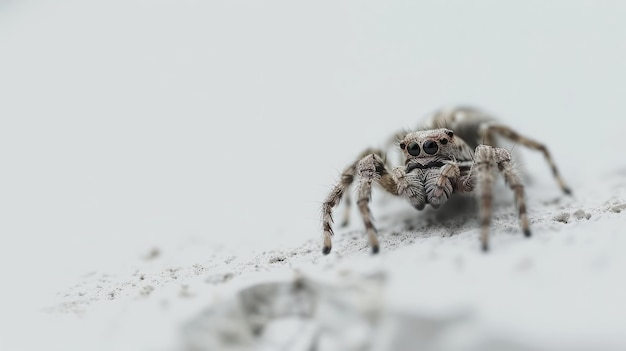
164,163
431,286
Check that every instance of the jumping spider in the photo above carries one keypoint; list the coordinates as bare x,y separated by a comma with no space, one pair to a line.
452,152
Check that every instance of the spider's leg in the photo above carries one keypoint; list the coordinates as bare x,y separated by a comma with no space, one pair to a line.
503,159
484,164
335,196
509,133
349,174
371,169
486,158
347,203
465,182
347,177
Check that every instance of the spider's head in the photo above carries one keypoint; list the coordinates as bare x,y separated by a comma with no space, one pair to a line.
426,146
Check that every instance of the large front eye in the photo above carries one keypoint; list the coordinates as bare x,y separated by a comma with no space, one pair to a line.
413,149
430,147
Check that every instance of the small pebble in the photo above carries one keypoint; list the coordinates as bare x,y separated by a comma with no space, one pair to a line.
562,217
276,259
580,214
152,254
146,290
618,208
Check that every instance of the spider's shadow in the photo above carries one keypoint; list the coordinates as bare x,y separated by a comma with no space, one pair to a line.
459,214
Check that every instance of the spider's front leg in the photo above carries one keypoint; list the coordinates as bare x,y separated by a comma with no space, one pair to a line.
372,168
486,159
347,178
397,182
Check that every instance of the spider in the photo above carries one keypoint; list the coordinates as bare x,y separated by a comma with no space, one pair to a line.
452,152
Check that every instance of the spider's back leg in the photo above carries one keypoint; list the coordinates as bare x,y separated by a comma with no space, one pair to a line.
480,128
507,132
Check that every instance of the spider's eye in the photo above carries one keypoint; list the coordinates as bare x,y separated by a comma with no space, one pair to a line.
450,134
430,147
443,141
413,149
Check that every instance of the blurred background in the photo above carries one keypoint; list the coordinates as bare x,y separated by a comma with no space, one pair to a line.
126,125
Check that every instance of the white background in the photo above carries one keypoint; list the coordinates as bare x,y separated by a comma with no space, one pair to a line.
126,125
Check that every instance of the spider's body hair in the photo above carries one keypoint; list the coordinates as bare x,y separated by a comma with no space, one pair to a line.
453,151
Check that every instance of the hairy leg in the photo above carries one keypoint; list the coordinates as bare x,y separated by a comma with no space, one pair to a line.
368,174
372,169
347,177
484,164
509,133
347,203
342,188
515,183
348,174
487,158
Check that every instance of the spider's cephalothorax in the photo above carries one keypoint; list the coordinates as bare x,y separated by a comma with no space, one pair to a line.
444,156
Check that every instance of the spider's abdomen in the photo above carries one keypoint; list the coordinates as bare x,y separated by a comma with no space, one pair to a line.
466,122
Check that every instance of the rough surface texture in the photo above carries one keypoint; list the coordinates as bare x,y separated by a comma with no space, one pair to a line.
429,286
